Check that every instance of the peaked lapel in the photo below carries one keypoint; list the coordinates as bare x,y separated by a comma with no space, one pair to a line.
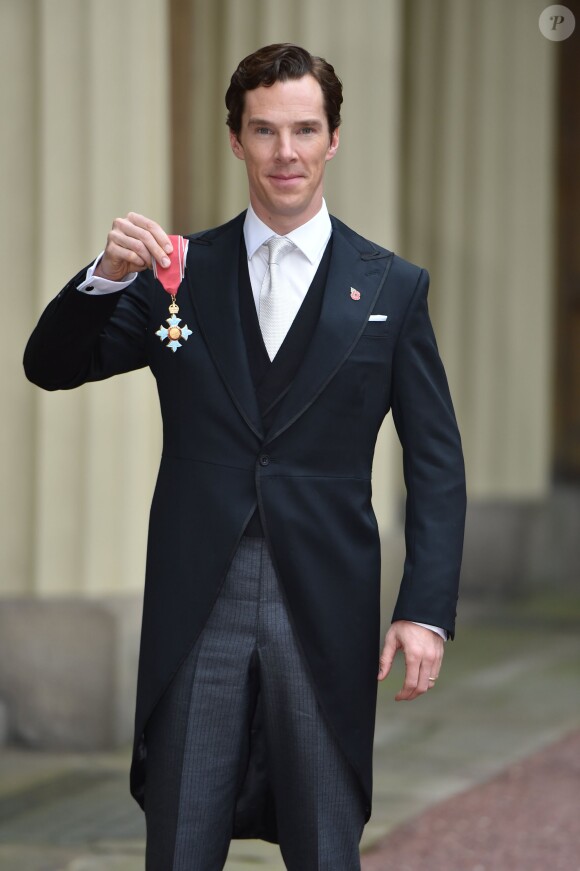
212,277
355,265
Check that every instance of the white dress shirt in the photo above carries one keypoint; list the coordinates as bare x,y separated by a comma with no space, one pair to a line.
94,285
299,266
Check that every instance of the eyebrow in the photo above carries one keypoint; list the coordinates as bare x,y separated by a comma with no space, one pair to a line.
308,122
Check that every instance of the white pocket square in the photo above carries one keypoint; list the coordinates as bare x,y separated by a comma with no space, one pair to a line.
378,317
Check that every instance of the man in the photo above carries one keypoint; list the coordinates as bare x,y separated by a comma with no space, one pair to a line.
257,677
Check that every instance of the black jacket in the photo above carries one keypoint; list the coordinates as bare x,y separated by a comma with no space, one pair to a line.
309,473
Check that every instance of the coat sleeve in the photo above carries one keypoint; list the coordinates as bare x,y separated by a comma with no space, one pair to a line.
82,338
433,469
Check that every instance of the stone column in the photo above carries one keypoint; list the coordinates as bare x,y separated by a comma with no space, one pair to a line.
103,132
85,86
478,209
18,234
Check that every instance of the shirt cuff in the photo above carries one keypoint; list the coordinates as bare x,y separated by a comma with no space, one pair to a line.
436,629
96,286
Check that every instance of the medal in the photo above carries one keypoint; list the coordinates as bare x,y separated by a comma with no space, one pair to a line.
170,278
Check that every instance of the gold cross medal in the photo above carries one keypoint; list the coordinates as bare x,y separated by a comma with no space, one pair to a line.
170,278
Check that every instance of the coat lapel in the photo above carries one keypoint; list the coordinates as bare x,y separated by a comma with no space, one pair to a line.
355,266
214,288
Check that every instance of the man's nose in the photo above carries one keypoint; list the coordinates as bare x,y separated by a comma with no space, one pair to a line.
285,148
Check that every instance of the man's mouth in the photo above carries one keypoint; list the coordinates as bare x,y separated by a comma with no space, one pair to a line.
285,179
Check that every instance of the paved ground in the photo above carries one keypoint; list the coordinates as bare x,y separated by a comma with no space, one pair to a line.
525,818
510,687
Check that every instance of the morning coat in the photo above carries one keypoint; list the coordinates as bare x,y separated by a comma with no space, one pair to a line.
309,472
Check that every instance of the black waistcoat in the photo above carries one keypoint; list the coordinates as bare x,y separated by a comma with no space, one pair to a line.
272,378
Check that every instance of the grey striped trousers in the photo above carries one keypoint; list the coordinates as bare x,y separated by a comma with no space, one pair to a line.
197,739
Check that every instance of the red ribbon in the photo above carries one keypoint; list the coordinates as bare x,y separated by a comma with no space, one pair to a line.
171,276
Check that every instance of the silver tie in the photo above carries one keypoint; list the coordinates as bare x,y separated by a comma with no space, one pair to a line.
273,297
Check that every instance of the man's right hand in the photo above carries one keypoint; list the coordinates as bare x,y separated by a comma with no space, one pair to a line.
132,245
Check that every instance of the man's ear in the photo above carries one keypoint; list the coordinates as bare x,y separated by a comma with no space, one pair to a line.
334,142
236,145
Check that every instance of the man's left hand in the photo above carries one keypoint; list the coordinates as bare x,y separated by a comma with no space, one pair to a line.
423,651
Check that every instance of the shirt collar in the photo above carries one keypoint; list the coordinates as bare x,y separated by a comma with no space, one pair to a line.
310,238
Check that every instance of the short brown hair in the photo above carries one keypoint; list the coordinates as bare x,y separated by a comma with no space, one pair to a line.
278,63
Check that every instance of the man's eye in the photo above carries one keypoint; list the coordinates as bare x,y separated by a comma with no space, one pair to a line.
262,130
307,130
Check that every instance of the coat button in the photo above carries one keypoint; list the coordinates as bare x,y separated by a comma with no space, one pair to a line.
264,460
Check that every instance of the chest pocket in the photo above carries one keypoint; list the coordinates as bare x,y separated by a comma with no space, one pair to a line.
377,329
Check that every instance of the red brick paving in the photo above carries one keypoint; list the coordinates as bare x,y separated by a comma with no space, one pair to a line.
525,819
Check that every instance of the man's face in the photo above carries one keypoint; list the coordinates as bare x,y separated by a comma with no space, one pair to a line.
285,143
